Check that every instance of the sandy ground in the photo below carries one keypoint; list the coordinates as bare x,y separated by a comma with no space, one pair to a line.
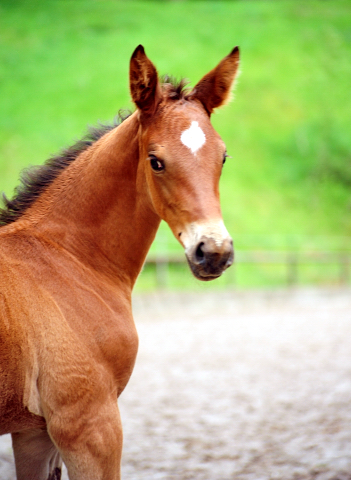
237,385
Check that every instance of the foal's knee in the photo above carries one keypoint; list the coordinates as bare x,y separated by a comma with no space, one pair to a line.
91,446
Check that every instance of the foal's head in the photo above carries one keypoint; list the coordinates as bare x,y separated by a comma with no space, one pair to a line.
182,157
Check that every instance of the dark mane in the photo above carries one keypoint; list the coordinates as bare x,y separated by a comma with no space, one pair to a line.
34,180
176,90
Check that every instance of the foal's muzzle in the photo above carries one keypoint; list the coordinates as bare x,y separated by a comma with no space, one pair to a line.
208,259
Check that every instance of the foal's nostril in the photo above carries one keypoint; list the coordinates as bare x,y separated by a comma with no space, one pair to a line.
199,254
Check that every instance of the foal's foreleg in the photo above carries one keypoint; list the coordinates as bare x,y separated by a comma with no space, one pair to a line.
36,457
91,444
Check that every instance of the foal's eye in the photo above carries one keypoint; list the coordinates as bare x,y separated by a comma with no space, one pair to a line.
225,156
156,164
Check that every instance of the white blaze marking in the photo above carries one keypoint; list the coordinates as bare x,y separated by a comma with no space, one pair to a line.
193,138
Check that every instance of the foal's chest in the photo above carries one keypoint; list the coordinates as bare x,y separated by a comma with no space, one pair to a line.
72,319
101,322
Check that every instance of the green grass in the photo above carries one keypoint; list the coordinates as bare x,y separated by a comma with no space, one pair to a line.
64,64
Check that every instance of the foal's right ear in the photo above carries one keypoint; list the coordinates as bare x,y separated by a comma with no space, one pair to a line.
144,85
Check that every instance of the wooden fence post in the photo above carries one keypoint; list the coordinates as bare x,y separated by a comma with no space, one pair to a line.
161,266
344,272
292,269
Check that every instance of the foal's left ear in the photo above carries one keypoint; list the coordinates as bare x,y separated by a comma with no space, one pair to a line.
144,85
214,89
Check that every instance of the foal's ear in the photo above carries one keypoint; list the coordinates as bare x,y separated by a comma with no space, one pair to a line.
144,85
214,89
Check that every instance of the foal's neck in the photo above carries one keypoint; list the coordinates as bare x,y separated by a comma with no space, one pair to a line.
99,208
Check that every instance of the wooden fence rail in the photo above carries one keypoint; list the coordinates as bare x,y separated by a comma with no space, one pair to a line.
290,259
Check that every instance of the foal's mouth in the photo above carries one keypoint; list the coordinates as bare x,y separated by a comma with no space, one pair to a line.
207,274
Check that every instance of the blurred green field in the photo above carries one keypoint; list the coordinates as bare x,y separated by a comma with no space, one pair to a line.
64,65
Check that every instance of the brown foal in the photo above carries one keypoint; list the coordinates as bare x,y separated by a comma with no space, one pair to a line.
72,243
